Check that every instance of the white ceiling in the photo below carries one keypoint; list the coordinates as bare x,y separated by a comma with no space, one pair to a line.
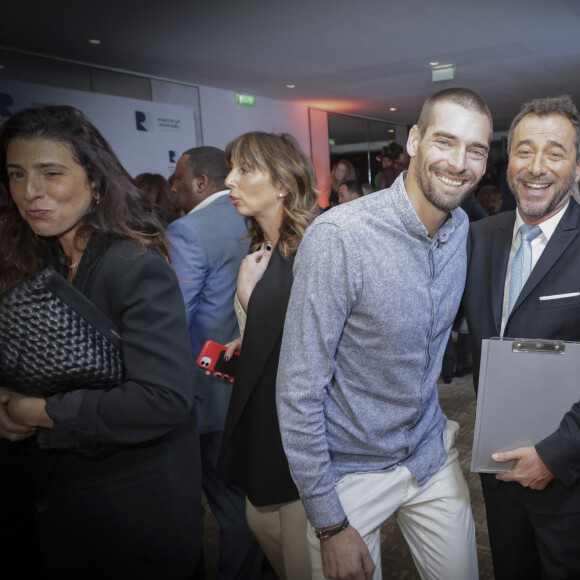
354,56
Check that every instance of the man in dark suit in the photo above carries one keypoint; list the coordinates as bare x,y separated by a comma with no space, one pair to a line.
533,511
207,247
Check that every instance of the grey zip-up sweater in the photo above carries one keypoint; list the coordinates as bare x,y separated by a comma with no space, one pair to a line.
369,316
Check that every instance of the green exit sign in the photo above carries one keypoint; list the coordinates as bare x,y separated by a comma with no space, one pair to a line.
245,100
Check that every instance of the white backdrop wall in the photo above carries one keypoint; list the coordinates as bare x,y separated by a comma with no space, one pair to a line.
147,136
222,119
215,119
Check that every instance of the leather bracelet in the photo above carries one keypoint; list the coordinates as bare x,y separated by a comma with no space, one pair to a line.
333,531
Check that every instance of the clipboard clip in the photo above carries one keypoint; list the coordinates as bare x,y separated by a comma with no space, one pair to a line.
541,346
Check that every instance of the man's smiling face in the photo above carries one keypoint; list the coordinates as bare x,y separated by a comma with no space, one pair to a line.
449,159
542,166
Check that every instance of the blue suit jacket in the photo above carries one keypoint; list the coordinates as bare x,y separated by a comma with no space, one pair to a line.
207,247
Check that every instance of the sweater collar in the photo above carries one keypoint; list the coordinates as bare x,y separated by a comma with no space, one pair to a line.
411,220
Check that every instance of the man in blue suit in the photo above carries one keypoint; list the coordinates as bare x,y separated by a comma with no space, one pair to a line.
207,247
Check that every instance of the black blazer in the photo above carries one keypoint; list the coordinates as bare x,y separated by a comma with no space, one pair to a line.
252,455
135,512
556,272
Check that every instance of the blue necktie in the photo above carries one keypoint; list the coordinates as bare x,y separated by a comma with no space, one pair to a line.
522,264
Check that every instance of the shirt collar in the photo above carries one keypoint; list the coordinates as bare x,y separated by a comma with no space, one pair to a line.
209,200
548,226
412,221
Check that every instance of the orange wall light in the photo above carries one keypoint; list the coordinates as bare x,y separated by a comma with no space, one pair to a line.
330,105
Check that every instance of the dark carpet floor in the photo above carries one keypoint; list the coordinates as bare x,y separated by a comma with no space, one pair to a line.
458,403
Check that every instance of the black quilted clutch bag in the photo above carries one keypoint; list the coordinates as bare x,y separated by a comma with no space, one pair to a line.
53,339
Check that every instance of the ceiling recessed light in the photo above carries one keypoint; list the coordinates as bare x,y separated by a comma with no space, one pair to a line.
393,109
94,41
391,130
290,86
433,63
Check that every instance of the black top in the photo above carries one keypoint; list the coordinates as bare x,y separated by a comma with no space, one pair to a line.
252,455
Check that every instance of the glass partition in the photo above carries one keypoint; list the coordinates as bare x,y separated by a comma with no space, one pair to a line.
362,142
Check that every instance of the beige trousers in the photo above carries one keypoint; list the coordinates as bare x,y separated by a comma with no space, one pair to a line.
281,532
435,518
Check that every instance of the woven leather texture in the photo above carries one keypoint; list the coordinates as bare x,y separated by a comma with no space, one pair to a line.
48,347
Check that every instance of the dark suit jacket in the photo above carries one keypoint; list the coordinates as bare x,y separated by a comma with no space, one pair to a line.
136,512
252,455
556,272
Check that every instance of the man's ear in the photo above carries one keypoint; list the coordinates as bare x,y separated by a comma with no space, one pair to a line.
200,183
413,141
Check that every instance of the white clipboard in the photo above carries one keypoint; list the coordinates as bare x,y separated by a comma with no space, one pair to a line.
526,386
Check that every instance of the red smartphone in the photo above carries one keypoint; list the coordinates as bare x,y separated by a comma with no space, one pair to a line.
211,358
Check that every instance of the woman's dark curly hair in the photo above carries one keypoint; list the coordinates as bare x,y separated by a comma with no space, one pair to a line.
121,212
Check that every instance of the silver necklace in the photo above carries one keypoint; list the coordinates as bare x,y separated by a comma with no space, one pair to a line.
73,266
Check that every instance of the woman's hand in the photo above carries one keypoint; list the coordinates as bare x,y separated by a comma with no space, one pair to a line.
231,347
24,410
251,271
9,428
235,345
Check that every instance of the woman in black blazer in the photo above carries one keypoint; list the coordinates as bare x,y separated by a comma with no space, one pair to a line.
108,480
272,183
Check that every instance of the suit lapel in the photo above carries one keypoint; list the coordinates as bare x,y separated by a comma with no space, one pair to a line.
562,237
501,245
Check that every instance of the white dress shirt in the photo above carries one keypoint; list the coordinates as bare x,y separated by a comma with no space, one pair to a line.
538,245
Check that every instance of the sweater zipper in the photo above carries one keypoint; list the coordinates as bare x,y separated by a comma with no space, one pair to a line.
429,334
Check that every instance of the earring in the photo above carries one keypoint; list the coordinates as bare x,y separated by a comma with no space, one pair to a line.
98,200
280,194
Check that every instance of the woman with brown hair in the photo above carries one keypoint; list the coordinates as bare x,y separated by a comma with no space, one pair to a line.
272,183
158,192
